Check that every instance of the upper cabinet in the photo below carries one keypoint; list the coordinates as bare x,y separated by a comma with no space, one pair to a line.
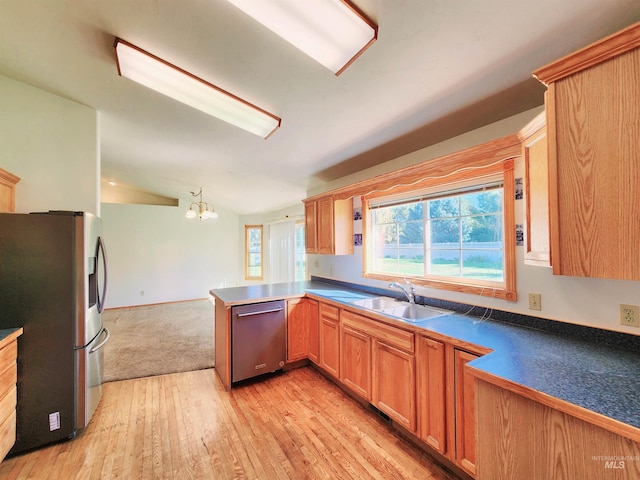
536,183
8,183
593,127
329,226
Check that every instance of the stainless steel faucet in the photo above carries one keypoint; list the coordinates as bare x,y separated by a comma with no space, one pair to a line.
411,293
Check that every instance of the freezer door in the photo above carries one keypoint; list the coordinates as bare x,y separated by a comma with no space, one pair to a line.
90,379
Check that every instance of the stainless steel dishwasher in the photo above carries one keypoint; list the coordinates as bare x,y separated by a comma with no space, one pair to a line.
258,339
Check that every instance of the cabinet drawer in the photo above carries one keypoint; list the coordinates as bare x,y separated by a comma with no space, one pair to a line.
8,379
8,404
7,434
329,312
8,355
391,335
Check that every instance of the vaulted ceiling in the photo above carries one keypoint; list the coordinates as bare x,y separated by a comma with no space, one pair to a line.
439,68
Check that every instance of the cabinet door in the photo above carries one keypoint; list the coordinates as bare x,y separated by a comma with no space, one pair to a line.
464,385
536,166
394,384
313,331
330,339
594,160
325,225
430,366
7,191
297,329
355,368
310,227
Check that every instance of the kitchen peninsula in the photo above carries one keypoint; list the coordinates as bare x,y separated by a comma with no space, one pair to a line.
588,383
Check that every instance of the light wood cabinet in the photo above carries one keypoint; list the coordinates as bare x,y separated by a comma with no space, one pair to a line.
465,444
302,329
355,368
8,392
329,226
313,330
391,372
446,400
8,183
310,227
536,193
431,392
394,383
330,339
542,442
297,329
594,160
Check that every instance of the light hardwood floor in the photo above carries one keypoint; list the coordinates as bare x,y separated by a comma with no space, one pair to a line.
296,425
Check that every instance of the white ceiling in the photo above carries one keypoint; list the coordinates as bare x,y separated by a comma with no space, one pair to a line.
438,68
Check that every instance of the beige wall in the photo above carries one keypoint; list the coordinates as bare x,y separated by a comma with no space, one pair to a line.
52,144
157,255
584,301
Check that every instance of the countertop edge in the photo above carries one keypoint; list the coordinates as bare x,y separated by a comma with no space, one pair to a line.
11,335
234,303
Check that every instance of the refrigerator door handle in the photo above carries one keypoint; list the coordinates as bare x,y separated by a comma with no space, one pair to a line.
103,342
101,252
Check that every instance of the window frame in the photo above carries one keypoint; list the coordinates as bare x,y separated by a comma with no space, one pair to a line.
247,253
479,173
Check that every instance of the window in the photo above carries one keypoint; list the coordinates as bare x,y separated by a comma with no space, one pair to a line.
300,255
451,233
253,252
452,236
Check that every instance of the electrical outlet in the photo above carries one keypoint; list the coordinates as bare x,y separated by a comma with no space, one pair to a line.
535,301
630,315
142,293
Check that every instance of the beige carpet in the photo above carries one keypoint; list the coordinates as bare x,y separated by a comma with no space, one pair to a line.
158,339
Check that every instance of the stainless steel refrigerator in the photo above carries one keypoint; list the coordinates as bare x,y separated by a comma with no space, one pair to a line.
53,281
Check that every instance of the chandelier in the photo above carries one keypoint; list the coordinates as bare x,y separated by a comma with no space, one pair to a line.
202,208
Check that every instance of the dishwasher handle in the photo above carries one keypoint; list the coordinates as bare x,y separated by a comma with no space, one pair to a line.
260,312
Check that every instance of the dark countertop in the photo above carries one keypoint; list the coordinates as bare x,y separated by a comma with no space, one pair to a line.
599,378
9,334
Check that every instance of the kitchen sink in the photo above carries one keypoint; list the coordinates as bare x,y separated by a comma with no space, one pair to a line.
377,303
409,312
414,313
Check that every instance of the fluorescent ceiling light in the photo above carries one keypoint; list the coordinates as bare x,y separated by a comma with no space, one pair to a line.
163,77
333,32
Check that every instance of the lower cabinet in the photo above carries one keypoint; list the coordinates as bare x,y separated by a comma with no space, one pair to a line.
302,329
394,381
355,370
465,425
420,382
8,392
314,332
378,363
297,329
446,401
329,332
431,392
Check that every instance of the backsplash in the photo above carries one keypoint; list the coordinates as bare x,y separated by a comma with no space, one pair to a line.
590,334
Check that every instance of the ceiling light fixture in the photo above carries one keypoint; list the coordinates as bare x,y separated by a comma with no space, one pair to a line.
333,32
203,211
163,77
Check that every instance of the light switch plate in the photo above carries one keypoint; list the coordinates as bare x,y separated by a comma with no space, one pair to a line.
535,301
